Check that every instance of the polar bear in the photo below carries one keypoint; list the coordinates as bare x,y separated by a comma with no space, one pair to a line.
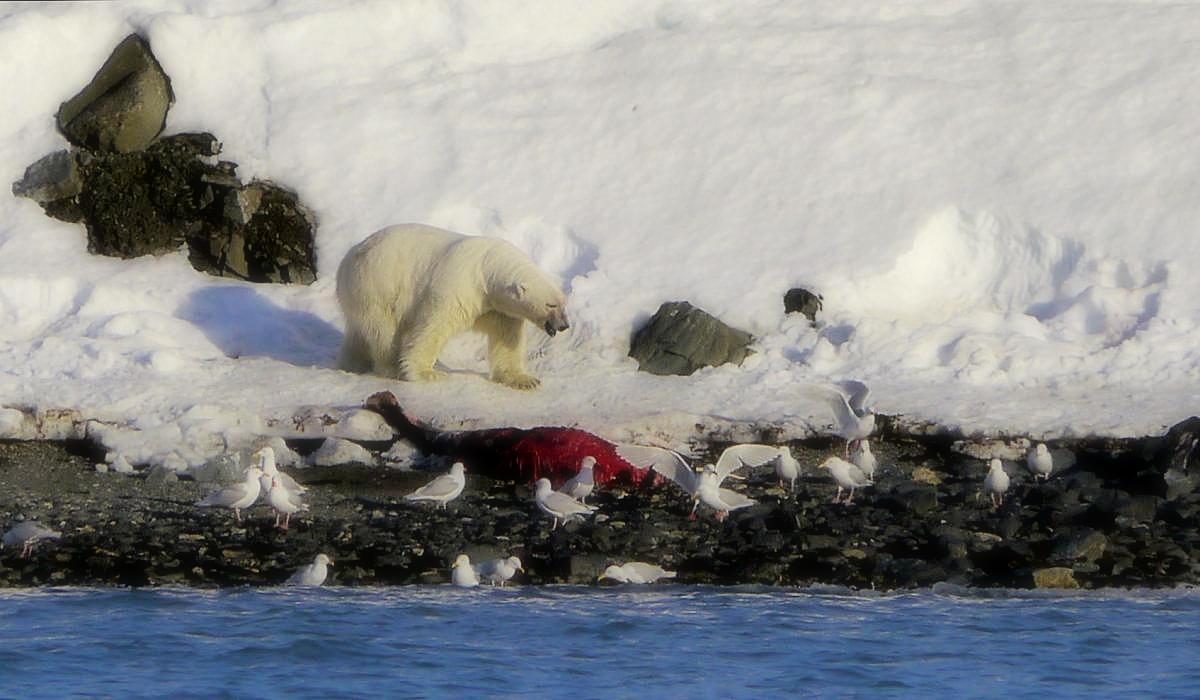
407,289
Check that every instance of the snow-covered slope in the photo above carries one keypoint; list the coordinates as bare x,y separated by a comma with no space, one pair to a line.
997,201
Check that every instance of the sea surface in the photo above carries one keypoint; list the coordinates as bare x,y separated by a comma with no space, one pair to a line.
580,642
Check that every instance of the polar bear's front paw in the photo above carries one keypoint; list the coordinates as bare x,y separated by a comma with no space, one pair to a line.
425,374
522,381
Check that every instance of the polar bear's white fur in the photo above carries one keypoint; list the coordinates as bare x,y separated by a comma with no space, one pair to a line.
407,289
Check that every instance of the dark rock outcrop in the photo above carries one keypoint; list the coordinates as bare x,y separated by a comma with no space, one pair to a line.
680,339
802,301
124,106
55,177
141,196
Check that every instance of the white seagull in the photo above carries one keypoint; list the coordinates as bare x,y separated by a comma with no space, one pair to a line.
1040,462
864,459
284,502
635,572
462,574
672,465
855,420
753,455
28,534
846,475
311,574
499,571
996,482
580,486
721,500
266,462
444,488
237,496
557,505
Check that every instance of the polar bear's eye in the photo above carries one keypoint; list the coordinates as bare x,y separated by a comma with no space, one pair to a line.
551,306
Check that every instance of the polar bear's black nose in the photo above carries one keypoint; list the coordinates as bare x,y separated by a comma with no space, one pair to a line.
555,325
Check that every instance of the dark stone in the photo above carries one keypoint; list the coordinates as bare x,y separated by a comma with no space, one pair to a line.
1081,544
159,474
154,201
1140,508
912,496
1175,458
124,106
680,339
54,177
798,300
266,236
142,203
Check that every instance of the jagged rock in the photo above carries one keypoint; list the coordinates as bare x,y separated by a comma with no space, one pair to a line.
680,338
124,106
925,475
335,451
1054,577
159,474
798,300
222,469
54,177
138,196
143,203
265,236
1081,545
153,201
1176,458
911,496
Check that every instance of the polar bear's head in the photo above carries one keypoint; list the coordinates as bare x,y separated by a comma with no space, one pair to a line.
537,300
518,287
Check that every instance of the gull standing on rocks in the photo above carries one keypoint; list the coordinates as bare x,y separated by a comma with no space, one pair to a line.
237,496
284,502
557,505
864,459
499,571
846,475
462,574
996,482
444,488
635,572
580,486
855,420
311,574
1040,462
28,534
266,462
721,500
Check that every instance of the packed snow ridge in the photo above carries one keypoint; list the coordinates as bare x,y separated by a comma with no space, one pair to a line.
992,200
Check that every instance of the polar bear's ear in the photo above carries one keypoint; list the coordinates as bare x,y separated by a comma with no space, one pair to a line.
517,290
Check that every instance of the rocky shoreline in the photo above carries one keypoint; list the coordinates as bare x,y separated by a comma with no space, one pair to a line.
1124,514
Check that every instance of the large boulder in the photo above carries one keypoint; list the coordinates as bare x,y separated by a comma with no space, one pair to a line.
124,106
801,301
680,339
54,177
139,195
156,200
1054,577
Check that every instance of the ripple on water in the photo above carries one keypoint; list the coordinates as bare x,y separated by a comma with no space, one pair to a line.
588,642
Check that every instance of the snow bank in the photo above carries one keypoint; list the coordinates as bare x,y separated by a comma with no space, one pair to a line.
994,201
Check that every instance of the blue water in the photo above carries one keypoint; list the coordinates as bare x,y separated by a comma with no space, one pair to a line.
577,642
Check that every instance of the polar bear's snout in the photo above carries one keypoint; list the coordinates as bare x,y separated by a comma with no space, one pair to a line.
557,322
